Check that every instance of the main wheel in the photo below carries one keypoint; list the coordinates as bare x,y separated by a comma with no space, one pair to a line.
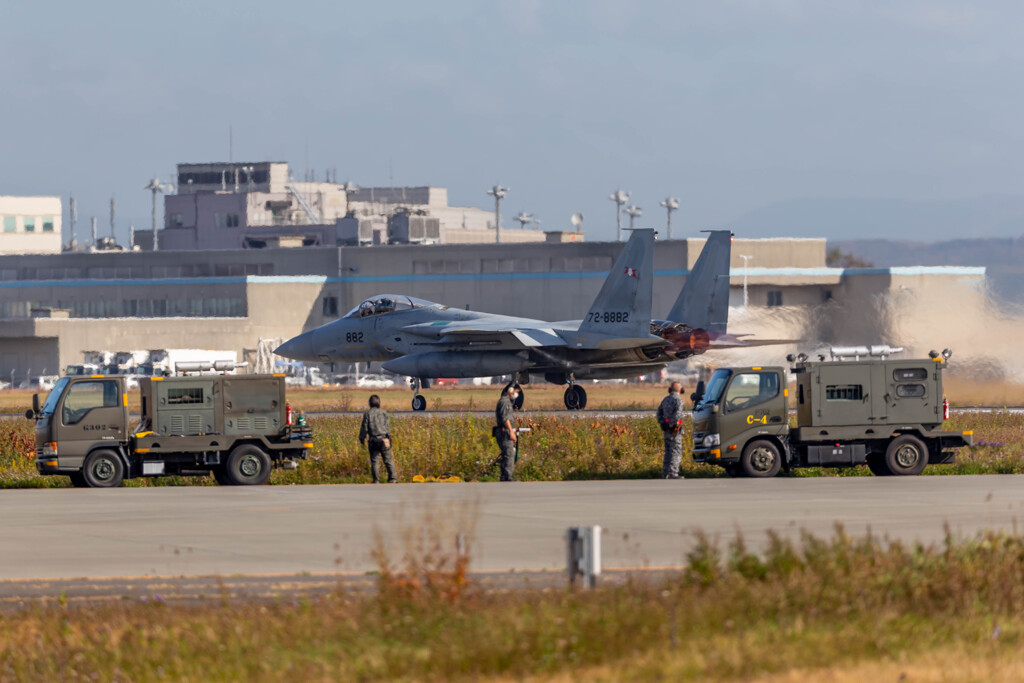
575,397
761,459
419,403
78,480
103,470
247,465
906,456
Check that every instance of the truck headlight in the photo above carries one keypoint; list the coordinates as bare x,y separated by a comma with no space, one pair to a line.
711,440
50,449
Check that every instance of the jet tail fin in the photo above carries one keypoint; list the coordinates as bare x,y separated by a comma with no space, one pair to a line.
623,306
704,301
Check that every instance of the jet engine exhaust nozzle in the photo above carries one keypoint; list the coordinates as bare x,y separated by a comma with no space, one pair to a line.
684,340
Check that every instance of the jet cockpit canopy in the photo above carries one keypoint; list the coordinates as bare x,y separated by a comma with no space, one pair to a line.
387,303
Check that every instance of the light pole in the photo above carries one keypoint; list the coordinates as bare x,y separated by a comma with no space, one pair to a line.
497,192
620,198
633,212
156,186
523,218
670,204
746,259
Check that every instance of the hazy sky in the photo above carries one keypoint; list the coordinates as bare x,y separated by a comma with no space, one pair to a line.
729,105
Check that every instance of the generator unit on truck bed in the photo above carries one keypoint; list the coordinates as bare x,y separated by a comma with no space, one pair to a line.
873,410
233,426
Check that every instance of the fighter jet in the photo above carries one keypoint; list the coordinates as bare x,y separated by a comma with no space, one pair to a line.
617,339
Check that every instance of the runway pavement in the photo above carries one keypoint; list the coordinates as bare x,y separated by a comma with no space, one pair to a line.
190,531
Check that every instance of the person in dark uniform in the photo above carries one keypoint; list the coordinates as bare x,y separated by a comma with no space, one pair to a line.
377,428
505,432
670,418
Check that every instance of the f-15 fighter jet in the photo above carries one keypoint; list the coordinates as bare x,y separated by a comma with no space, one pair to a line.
617,339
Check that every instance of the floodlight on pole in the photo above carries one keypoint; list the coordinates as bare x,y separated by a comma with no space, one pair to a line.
746,259
633,212
498,192
671,204
620,198
523,218
155,186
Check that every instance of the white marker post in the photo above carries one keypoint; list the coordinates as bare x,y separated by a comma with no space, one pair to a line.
583,555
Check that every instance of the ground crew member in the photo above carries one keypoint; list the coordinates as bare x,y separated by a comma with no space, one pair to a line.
377,428
505,432
670,419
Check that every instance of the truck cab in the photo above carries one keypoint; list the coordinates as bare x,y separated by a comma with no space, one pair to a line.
741,406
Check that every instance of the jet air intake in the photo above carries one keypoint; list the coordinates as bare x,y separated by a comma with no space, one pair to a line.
458,364
684,340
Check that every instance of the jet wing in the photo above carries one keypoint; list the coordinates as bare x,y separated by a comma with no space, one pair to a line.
488,332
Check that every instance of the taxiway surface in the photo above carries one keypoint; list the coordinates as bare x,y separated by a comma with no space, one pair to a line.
290,529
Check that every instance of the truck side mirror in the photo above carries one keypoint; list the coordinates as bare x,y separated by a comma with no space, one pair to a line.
35,403
30,414
698,393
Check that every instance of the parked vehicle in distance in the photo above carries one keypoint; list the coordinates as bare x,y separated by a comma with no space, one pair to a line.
237,427
374,382
446,381
39,382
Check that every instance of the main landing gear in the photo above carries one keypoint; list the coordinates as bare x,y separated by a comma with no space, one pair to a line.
575,397
419,401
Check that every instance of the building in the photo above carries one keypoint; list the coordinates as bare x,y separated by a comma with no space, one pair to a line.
259,205
30,225
55,307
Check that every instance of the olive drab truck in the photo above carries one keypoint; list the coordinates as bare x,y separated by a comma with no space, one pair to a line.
235,427
861,407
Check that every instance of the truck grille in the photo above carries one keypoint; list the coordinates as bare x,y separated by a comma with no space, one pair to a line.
39,452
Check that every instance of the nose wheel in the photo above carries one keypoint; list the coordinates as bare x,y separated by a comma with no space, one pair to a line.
419,402
575,397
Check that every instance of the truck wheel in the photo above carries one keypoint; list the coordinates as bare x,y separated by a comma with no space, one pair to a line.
761,459
77,480
247,465
103,470
906,456
876,463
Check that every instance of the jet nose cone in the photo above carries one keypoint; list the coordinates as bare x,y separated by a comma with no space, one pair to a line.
298,348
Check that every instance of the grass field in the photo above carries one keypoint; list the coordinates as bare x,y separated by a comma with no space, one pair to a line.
559,448
837,609
539,396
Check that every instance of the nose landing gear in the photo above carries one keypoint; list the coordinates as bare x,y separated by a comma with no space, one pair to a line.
575,397
419,402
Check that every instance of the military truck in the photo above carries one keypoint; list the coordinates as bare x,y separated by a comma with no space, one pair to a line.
860,407
237,427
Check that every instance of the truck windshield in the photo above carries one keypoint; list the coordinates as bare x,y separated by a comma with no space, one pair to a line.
51,398
716,385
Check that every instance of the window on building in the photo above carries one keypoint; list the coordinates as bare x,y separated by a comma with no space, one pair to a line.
774,297
225,220
30,224
9,224
47,225
175,220
330,306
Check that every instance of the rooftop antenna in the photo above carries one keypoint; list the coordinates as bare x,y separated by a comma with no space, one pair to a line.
113,214
620,198
498,192
155,186
746,261
671,204
523,219
72,216
94,232
231,145
633,212
131,236
577,221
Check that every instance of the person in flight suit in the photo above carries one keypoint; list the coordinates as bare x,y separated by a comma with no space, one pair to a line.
670,419
505,432
377,428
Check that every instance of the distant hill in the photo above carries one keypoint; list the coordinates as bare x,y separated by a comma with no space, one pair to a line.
841,219
1003,257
